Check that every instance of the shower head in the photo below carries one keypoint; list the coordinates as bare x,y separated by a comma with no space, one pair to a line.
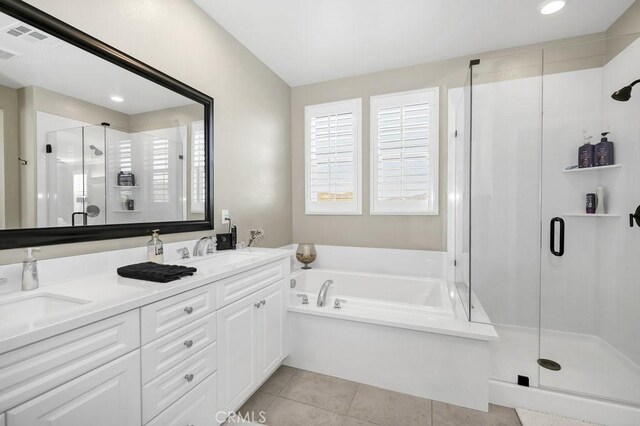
95,150
624,94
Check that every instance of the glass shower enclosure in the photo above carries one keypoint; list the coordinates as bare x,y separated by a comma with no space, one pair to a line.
558,280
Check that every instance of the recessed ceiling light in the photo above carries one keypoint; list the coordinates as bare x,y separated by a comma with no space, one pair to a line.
115,98
552,6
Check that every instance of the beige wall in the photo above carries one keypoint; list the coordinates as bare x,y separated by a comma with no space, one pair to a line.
411,232
10,190
628,23
252,108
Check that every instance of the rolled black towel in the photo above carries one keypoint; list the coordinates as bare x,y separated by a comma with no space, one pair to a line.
156,272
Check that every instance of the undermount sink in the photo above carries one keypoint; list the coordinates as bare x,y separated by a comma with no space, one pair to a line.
31,308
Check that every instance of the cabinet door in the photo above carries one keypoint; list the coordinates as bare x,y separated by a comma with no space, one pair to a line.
237,353
270,326
106,396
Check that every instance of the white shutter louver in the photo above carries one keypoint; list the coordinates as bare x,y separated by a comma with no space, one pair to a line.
333,158
404,151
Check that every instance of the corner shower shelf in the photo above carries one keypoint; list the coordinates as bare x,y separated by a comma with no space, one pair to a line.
589,169
590,215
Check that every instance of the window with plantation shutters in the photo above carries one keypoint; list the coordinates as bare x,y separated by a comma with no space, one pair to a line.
333,158
404,153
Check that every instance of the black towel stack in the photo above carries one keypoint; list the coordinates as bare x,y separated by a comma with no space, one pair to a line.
156,272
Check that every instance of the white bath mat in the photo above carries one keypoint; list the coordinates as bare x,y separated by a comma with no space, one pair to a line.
536,418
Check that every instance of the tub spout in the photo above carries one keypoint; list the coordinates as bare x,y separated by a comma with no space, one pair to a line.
322,295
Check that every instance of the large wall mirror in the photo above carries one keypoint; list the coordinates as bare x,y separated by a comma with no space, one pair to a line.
93,143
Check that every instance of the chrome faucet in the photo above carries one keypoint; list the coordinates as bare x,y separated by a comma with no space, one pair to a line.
322,295
184,253
205,245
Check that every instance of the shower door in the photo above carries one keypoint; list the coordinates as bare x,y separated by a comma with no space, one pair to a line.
76,177
590,289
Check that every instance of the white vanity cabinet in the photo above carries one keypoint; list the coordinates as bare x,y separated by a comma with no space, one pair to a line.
251,343
184,360
106,396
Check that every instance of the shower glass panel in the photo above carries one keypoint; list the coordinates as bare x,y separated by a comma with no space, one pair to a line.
506,128
95,179
589,272
460,117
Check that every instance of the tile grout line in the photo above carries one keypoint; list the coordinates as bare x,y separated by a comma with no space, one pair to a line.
431,411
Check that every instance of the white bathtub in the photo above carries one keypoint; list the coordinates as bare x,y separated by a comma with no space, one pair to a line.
402,333
379,298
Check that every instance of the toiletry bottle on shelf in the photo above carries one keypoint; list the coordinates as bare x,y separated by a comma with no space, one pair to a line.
30,280
603,152
600,200
585,152
591,203
155,251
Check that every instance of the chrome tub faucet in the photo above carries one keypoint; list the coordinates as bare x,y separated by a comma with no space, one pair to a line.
322,295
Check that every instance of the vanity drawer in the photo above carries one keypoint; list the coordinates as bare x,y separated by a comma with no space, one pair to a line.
37,368
163,391
170,314
167,351
198,407
241,285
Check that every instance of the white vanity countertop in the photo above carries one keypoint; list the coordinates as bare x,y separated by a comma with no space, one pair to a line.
109,294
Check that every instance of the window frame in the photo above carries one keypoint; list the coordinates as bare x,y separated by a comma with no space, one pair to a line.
353,208
405,207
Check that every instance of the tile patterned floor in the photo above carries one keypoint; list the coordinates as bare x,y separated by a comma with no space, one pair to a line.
292,397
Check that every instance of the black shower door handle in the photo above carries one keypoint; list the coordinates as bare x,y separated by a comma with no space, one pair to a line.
560,251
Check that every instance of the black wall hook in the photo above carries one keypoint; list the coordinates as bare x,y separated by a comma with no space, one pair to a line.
23,162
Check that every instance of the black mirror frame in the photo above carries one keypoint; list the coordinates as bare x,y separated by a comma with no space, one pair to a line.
31,237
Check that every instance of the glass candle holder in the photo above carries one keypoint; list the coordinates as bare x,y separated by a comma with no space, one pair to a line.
306,253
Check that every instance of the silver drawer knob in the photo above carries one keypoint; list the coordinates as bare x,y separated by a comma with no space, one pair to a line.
257,305
189,377
188,343
188,309
264,302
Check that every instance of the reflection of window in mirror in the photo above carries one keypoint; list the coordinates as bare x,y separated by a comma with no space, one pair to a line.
197,167
160,171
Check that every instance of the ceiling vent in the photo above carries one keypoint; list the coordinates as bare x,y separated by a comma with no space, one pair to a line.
25,32
6,55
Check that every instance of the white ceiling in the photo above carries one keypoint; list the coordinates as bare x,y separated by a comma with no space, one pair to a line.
306,41
63,68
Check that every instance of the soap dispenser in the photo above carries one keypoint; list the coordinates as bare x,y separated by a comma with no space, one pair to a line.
603,151
155,250
586,152
30,280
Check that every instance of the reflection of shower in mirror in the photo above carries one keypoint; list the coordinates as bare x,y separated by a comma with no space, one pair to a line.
96,151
